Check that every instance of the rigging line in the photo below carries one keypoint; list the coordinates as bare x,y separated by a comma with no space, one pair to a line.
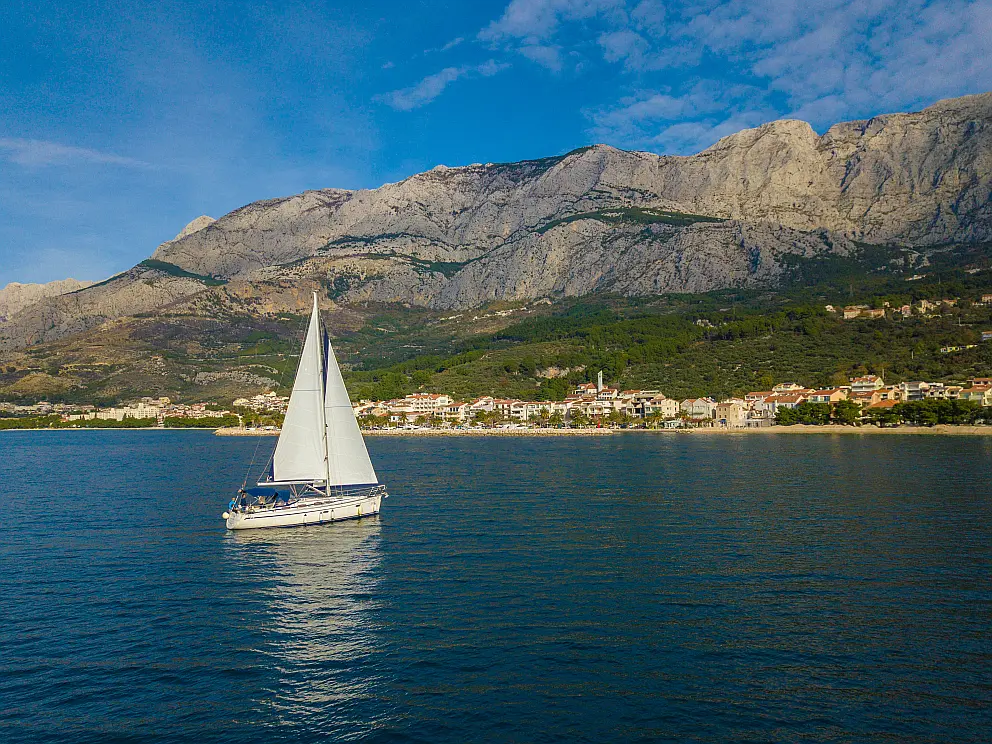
252,463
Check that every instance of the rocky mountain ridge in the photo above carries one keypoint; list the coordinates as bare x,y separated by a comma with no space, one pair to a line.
597,219
16,296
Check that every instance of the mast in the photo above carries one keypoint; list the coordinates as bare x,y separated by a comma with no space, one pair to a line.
323,413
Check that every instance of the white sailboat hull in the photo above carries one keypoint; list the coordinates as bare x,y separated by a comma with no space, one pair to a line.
306,511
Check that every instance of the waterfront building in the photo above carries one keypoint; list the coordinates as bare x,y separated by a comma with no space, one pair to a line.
731,414
699,408
660,405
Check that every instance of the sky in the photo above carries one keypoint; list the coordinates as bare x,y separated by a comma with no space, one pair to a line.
122,121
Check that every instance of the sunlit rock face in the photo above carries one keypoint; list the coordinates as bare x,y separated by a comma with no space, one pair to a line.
16,296
597,219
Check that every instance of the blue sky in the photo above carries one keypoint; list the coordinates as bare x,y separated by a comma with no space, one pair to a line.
121,121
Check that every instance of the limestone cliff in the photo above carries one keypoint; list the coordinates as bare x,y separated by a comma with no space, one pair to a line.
16,296
597,219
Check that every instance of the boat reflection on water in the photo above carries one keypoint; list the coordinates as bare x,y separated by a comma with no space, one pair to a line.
317,629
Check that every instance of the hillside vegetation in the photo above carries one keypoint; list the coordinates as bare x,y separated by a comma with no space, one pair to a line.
720,343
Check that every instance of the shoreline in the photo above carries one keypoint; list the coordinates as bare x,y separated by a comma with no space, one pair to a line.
232,432
938,430
114,428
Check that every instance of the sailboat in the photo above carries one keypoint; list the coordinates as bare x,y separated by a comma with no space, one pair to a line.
320,470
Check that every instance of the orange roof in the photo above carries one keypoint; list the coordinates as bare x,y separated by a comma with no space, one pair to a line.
786,398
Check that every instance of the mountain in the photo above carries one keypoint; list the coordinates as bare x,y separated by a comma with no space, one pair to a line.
744,213
16,296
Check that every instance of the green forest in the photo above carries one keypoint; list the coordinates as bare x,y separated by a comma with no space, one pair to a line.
719,344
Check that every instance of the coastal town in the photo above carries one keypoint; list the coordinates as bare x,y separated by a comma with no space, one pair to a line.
864,400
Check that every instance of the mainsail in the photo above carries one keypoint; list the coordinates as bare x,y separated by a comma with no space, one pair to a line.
299,454
320,439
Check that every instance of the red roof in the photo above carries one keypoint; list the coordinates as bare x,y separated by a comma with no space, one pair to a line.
884,404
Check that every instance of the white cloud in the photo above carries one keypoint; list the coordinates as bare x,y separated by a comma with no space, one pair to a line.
624,46
546,56
406,99
694,136
699,69
875,53
32,152
679,123
537,19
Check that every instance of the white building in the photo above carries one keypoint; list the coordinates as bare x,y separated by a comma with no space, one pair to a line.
867,384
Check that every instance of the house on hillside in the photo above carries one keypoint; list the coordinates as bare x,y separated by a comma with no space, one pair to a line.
866,398
882,404
943,392
757,396
782,400
585,388
916,390
485,403
788,387
829,395
981,394
866,384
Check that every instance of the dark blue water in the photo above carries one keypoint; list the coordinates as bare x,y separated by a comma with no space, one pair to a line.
628,588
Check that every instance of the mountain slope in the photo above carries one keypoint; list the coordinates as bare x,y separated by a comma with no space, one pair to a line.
738,214
16,296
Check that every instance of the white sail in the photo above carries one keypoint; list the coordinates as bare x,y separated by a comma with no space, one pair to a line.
348,459
299,454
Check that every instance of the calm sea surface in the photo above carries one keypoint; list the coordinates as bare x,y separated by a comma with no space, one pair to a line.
634,588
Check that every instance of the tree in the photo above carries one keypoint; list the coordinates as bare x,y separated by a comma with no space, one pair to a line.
557,420
883,416
786,416
578,419
846,412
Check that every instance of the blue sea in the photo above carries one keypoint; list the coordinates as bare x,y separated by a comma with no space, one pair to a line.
632,588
